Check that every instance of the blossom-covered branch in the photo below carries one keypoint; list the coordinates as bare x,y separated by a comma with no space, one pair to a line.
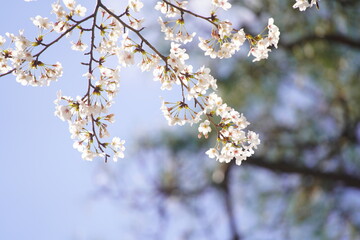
120,35
304,4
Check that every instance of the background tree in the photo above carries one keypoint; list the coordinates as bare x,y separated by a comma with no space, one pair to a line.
303,102
304,181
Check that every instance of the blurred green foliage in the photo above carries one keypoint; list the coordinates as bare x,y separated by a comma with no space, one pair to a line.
304,181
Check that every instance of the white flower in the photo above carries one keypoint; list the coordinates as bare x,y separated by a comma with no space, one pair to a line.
260,51
135,5
70,4
76,130
88,76
78,145
239,159
168,10
238,38
166,77
118,155
2,40
224,28
176,33
260,48
63,112
204,127
103,131
274,33
212,153
222,4
88,155
58,10
79,46
136,23
110,118
80,10
61,26
253,139
219,45
304,4
41,22
21,42
118,144
119,148
23,78
126,58
149,62
4,67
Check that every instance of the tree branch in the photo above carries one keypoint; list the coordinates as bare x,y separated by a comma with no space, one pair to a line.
225,187
137,32
209,19
37,55
284,167
335,37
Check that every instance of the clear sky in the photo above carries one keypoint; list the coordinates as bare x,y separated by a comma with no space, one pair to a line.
45,187
44,183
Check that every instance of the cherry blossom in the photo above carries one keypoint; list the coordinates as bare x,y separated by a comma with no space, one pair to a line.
80,10
79,46
135,5
304,4
224,4
70,4
204,128
118,37
41,22
260,45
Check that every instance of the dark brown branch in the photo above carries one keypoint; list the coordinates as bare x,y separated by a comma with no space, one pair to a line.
137,32
182,10
336,38
91,52
62,35
10,71
90,70
37,55
284,167
225,186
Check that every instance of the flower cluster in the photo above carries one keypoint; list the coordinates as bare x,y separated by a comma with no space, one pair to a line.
224,4
64,18
304,4
198,86
135,5
120,35
88,116
177,32
232,140
179,113
169,9
19,59
88,113
223,43
260,45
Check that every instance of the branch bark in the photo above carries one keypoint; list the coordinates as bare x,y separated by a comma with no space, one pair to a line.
284,167
225,187
333,37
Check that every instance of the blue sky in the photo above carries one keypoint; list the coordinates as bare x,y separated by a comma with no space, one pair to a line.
46,188
44,183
